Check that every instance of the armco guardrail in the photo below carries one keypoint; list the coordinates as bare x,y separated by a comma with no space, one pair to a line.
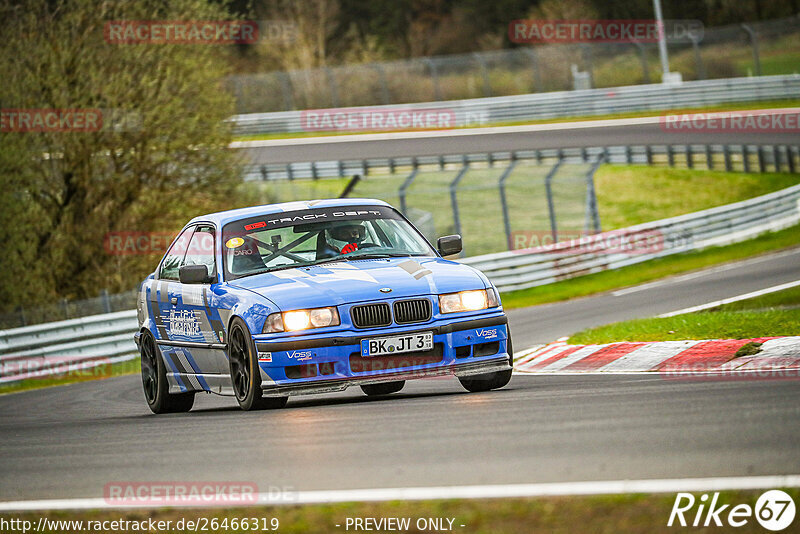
656,97
51,348
722,225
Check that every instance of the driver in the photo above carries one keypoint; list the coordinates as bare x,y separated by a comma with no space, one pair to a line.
352,234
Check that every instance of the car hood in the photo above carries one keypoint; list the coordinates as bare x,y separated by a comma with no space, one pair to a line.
361,280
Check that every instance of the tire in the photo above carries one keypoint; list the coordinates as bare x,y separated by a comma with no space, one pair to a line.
154,381
489,381
385,388
245,373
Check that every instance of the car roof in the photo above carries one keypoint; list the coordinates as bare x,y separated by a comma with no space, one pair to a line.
224,217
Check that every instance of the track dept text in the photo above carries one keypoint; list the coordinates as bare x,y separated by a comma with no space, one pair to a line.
50,120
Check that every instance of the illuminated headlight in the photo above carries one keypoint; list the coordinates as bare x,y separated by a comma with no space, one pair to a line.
292,321
468,301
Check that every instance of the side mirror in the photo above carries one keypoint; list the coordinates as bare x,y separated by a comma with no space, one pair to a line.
449,245
194,274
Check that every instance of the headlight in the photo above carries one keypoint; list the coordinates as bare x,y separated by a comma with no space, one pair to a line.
468,301
292,321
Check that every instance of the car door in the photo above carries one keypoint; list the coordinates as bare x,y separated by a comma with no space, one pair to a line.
195,340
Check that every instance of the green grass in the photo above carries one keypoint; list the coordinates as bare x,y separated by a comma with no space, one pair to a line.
775,314
701,325
629,513
737,106
787,298
651,270
629,195
95,373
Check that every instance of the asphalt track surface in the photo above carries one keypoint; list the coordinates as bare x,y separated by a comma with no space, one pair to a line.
71,441
615,132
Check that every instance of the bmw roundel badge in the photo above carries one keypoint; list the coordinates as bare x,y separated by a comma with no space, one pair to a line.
386,290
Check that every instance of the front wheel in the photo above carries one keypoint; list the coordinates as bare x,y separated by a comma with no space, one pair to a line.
385,388
496,380
245,373
154,381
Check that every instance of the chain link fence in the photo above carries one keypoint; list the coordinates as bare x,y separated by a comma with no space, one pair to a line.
763,48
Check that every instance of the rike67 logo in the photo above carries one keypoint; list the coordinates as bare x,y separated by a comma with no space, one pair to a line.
774,510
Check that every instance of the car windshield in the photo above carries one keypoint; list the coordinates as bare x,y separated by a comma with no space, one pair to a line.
301,238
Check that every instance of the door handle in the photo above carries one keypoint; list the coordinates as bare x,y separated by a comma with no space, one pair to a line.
174,300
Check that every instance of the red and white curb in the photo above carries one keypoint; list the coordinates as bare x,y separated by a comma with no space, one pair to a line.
706,356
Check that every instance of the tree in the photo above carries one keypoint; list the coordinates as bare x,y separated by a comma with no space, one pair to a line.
160,156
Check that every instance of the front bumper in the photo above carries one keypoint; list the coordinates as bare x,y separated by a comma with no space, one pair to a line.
307,364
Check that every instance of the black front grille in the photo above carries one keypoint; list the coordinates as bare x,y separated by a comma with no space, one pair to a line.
370,315
360,364
412,311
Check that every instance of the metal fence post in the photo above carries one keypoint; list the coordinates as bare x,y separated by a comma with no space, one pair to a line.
548,188
487,86
776,157
745,160
762,162
332,87
588,60
106,301
537,75
350,186
286,89
503,202
726,153
592,213
643,60
754,43
454,199
790,158
689,157
701,70
709,158
670,155
437,91
382,77
403,188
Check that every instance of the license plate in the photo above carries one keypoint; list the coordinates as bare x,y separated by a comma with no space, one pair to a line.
379,346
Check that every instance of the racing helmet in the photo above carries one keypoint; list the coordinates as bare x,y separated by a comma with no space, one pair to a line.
348,232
